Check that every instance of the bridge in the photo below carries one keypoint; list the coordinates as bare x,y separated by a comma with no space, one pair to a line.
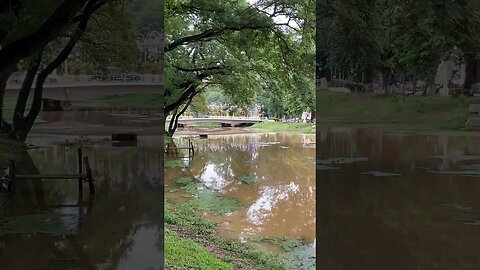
225,121
82,87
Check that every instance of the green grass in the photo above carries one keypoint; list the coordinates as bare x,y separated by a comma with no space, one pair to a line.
130,100
430,112
186,254
270,126
181,219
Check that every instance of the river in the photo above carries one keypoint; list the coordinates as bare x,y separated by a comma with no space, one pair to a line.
47,227
397,200
271,176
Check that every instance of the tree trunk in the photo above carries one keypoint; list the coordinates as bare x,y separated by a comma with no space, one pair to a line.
49,30
3,84
171,125
470,70
176,116
4,76
18,124
24,126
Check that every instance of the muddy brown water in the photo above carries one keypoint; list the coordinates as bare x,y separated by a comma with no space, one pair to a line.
121,228
281,200
98,123
390,200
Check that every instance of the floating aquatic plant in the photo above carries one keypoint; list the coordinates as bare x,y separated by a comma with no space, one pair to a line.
325,167
300,257
381,174
341,160
247,179
186,183
461,172
211,202
298,254
176,163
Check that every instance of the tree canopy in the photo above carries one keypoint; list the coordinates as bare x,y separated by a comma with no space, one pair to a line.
39,37
363,39
242,48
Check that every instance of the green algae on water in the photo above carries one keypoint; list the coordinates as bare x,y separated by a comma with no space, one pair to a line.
247,179
211,202
381,174
300,257
183,180
186,183
297,254
176,163
341,160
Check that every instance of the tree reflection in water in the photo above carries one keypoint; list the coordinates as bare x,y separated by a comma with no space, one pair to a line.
120,227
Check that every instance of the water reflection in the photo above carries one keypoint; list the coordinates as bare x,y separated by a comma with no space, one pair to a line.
281,200
121,228
99,123
413,221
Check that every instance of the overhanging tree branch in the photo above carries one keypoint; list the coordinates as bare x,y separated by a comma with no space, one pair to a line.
211,33
91,7
199,69
190,87
27,45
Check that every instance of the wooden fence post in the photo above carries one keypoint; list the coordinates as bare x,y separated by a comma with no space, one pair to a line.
13,173
80,171
91,184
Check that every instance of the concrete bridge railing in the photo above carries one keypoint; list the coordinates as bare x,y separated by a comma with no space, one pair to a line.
224,121
213,118
16,80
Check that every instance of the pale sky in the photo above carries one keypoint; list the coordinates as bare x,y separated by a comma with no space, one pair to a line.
278,19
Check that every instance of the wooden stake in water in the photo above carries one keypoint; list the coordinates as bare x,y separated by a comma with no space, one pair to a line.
80,171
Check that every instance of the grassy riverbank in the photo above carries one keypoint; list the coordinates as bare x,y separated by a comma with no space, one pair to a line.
429,113
191,242
269,126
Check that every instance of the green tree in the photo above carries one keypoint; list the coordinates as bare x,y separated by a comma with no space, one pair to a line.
44,48
363,40
28,27
239,48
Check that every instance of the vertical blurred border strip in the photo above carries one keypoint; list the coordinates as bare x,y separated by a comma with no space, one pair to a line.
317,132
162,123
